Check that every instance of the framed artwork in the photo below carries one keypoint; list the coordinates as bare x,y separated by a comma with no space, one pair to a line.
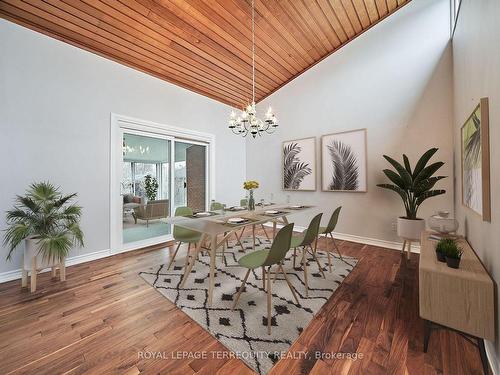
476,161
299,164
343,161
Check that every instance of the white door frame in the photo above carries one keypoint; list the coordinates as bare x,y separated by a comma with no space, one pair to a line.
121,123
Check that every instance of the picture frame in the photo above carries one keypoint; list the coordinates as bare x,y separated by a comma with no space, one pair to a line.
475,161
298,166
344,152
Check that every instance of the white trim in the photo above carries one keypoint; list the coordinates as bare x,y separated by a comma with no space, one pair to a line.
77,259
119,123
364,240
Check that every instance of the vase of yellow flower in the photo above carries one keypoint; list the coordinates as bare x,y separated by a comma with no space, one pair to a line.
250,186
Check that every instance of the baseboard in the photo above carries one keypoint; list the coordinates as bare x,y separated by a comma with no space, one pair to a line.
490,354
16,274
364,240
77,259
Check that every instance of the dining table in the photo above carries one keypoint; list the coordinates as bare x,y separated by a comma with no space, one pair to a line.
217,226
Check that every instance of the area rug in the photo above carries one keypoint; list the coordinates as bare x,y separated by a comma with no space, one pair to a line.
244,330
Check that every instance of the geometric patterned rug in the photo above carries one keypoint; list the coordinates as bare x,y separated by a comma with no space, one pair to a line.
244,330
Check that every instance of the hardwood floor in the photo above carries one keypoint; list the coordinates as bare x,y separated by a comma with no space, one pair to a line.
106,319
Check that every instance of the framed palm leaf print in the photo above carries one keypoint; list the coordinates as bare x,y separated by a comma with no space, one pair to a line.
343,161
299,164
476,161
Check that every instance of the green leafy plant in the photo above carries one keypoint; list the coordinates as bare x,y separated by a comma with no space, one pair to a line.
151,187
449,248
414,186
48,217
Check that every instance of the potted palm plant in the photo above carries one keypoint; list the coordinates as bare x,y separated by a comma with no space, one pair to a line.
47,222
414,186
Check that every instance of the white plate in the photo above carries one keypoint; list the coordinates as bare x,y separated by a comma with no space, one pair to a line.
238,208
236,220
271,212
202,214
296,206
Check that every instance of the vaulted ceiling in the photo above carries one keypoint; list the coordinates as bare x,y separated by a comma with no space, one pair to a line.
205,45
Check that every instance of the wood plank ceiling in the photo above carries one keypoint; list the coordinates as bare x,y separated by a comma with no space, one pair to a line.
205,45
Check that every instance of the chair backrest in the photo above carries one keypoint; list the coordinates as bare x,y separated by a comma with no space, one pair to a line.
280,246
333,220
215,206
179,231
244,202
312,230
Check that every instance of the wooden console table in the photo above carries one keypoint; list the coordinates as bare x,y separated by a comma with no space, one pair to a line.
459,299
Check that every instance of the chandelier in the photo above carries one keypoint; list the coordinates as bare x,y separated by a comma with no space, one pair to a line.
247,121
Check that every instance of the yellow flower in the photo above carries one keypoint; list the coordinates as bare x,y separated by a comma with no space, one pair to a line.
250,185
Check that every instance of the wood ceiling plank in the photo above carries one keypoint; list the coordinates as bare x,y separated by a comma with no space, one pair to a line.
274,28
382,7
186,38
303,26
362,12
161,51
336,14
231,41
317,22
392,5
372,10
267,30
39,23
282,17
348,7
266,38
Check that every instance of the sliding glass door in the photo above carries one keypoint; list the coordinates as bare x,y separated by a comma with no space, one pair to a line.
157,174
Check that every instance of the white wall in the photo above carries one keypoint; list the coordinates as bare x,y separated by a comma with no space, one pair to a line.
395,80
55,105
476,57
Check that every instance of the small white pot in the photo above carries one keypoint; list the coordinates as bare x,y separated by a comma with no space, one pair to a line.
31,250
410,229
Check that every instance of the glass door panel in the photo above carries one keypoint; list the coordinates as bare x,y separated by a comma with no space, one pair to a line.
190,175
145,187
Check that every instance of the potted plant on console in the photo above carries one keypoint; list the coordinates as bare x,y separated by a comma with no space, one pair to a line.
452,252
48,223
414,186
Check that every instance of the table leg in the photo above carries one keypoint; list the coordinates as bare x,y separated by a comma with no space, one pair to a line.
274,229
189,267
213,250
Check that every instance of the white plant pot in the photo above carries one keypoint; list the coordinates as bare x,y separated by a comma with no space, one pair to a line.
31,250
410,229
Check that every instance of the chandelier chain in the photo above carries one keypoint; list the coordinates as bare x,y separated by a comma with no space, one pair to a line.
253,50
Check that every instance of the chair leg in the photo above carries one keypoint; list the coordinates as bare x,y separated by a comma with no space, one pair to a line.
304,265
265,232
263,278
336,247
53,272
289,284
294,256
269,300
186,262
240,290
173,256
313,253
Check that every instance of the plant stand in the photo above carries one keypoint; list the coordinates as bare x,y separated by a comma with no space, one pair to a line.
407,241
32,272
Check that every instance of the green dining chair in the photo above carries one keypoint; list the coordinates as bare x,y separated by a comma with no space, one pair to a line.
244,203
268,258
328,230
305,241
183,235
216,206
